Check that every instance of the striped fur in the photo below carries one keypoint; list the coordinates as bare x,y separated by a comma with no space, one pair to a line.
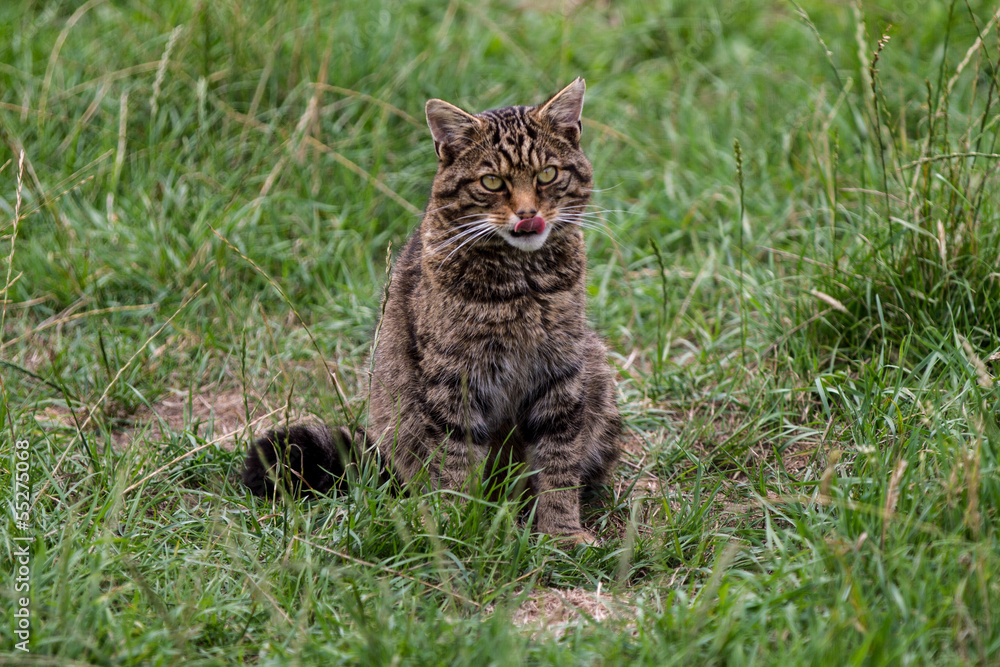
484,350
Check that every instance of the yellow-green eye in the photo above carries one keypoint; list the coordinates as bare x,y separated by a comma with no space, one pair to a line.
547,175
492,182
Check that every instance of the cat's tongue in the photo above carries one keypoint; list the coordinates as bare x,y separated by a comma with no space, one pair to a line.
534,225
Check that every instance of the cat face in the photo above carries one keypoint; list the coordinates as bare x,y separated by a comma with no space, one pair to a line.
515,173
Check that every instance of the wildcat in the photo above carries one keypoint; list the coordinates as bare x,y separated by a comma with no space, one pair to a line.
483,353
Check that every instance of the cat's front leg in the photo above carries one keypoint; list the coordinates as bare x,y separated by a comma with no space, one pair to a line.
451,447
558,506
452,465
553,431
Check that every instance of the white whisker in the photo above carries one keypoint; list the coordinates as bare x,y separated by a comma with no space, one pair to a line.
588,216
597,226
435,210
605,189
596,209
483,234
471,215
473,228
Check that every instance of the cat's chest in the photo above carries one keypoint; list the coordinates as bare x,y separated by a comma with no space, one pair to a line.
503,347
519,329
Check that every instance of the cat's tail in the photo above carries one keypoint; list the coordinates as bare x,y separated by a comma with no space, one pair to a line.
307,459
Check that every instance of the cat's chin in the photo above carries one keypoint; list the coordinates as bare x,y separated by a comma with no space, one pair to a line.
526,242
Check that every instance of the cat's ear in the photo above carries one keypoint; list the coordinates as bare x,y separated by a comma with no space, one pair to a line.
564,109
449,124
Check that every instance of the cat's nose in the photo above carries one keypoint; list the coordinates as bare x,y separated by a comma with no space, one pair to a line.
526,213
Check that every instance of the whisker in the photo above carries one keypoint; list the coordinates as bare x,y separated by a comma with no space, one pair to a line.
603,228
581,205
587,216
483,224
484,233
452,228
472,228
466,224
471,215
435,210
597,209
590,216
590,224
616,185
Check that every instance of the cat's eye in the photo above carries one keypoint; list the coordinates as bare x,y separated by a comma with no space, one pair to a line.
492,182
547,175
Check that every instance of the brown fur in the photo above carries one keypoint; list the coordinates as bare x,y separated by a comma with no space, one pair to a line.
484,352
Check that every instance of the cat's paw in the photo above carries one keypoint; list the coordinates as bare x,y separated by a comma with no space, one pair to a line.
580,538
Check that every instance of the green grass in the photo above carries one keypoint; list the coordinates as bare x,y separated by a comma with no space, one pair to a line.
203,210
